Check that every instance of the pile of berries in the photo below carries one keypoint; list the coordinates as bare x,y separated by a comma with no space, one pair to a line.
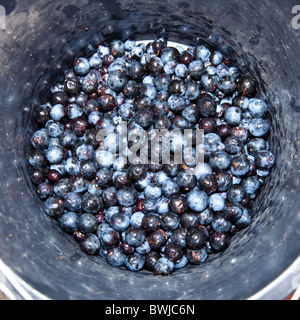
153,216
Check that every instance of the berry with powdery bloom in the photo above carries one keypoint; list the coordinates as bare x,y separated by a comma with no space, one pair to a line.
133,211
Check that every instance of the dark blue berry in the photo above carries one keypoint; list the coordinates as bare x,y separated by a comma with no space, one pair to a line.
44,190
104,177
68,138
177,87
151,260
244,221
91,203
121,179
117,80
159,107
224,180
179,237
157,239
116,257
197,200
72,86
219,241
88,169
170,221
37,158
246,86
78,183
134,261
120,222
220,224
196,69
240,132
69,221
236,193
42,114
109,196
54,206
144,118
155,66
189,220
162,122
89,84
164,266
220,160
240,166
216,202
265,160
196,237
90,244
81,66
87,223
255,145
62,187
259,127
223,130
169,54
106,102
233,145
73,110
192,90
186,57
73,201
127,197
40,139
131,89
186,181
150,222
196,256
227,84
206,105
135,70
176,103
208,183
109,238
135,236
257,108
178,204
173,251
191,113
117,48
170,188
233,212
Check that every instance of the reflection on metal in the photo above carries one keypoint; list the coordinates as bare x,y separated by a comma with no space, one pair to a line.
2,18
14,288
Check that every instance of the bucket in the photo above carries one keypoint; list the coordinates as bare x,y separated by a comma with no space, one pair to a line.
41,39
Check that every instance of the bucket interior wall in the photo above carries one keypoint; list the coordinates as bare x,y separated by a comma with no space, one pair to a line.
41,40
